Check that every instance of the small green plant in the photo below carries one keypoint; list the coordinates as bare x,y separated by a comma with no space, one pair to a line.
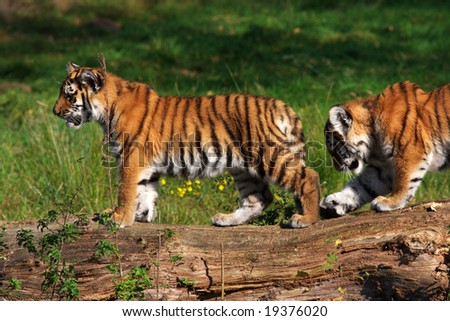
105,218
133,284
332,256
168,233
105,248
58,227
3,245
279,212
176,259
4,256
362,276
25,239
185,283
15,284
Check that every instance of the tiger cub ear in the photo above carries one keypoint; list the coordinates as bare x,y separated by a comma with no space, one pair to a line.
340,119
91,79
70,66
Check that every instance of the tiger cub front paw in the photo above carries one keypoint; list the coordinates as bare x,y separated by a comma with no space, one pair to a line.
225,220
335,205
109,216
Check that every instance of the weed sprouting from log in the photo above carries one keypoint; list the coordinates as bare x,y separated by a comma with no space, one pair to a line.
133,284
15,284
59,227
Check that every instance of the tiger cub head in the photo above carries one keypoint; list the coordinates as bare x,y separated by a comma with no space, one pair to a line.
348,135
77,103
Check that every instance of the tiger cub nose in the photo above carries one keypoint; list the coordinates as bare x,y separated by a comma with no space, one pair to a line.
57,113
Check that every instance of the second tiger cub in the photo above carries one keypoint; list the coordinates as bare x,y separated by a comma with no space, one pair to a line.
256,139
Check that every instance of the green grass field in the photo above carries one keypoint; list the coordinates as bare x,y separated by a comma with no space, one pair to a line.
311,54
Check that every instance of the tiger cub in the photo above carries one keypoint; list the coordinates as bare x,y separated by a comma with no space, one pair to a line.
256,139
391,140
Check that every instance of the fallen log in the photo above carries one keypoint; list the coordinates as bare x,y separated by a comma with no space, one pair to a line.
400,255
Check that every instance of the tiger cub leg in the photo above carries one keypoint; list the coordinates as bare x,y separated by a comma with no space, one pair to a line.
364,188
406,180
146,200
255,197
288,170
124,213
305,186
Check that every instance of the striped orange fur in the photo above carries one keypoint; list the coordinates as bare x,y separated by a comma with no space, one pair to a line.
256,139
392,140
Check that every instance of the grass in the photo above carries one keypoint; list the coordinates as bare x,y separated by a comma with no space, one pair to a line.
311,54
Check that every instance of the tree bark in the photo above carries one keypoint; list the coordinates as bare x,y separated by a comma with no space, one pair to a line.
400,255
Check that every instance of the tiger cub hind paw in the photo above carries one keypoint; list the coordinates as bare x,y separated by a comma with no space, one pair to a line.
221,219
144,217
109,217
385,204
301,221
103,217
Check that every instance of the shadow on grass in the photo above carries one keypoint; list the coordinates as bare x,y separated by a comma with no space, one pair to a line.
188,44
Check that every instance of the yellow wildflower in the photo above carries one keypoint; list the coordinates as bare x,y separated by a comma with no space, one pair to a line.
181,191
188,183
189,189
162,181
220,187
197,182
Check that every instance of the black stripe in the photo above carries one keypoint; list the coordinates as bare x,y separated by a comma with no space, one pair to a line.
227,127
273,160
416,179
112,113
260,162
282,172
158,101
229,152
166,106
144,118
152,179
185,117
247,119
436,110
404,91
87,105
198,104
237,109
199,147
191,155
213,106
227,105
182,161
261,114
174,116
131,86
